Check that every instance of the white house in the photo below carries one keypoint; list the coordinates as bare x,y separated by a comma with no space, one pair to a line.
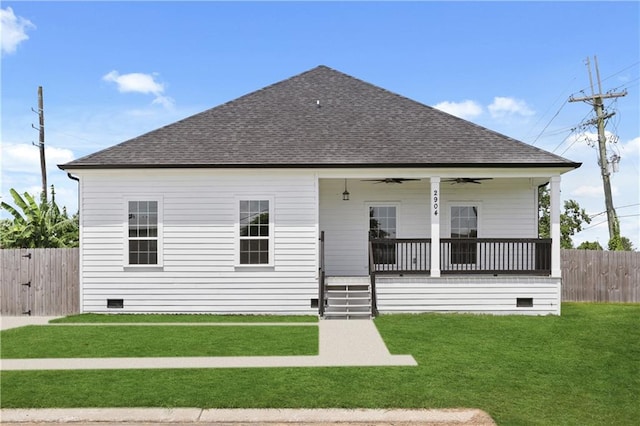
320,194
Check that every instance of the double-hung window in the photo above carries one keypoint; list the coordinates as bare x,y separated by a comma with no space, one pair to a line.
255,232
143,232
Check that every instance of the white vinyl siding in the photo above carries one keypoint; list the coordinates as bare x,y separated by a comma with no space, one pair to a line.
482,295
199,272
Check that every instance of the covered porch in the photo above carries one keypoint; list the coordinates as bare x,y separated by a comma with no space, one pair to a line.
440,243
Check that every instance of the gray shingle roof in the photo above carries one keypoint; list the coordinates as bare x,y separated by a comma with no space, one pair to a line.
320,118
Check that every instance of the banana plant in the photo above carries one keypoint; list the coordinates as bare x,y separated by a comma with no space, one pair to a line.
37,225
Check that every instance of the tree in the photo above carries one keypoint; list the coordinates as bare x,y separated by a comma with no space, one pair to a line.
589,245
36,225
570,221
619,243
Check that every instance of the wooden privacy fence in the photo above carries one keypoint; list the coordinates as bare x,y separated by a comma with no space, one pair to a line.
39,281
600,276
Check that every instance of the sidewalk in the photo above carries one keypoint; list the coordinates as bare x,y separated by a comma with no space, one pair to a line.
196,416
13,322
343,343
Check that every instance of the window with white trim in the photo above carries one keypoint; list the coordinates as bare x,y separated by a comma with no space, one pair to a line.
255,232
142,232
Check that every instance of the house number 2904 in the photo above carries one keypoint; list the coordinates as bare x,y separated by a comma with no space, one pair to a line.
435,202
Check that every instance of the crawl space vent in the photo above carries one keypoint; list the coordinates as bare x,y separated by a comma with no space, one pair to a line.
115,303
524,302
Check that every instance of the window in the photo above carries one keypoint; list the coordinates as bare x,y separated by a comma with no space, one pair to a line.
142,233
255,232
464,226
383,225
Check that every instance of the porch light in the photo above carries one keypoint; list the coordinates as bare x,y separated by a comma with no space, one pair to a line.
345,194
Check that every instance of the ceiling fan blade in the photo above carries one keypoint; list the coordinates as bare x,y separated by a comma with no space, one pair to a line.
465,180
388,180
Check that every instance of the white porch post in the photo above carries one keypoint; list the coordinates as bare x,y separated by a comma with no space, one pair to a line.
434,202
555,226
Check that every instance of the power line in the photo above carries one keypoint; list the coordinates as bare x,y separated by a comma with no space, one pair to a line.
563,140
556,114
605,221
573,129
617,208
547,125
621,71
613,75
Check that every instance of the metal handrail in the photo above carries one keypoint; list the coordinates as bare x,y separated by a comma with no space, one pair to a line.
321,277
372,279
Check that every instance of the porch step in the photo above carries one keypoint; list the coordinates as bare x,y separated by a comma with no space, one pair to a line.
348,298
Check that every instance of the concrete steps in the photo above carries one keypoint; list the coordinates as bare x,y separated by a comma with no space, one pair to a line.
348,298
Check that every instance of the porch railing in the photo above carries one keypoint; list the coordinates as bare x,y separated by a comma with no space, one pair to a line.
518,256
530,256
401,255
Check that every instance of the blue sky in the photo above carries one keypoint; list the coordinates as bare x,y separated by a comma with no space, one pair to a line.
114,70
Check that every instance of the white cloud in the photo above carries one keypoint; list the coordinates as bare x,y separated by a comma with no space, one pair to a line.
504,107
592,191
13,30
140,83
588,191
466,109
25,158
632,147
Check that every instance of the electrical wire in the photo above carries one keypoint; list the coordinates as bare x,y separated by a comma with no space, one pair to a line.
562,94
563,140
573,129
611,76
547,125
616,208
605,221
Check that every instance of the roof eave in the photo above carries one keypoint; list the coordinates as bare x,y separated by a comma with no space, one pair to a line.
69,166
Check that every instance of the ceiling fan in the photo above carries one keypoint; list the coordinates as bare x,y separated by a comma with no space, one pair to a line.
465,180
388,180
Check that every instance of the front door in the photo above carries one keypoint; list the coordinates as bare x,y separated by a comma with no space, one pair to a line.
464,226
383,223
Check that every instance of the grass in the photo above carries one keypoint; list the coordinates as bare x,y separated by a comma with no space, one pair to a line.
194,318
90,341
582,368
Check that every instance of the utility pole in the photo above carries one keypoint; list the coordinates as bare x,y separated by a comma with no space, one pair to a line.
596,100
40,128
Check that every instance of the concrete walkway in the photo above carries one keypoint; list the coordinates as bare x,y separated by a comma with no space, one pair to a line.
343,343
196,416
14,322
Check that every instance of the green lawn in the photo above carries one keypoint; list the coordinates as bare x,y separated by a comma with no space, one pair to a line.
90,341
140,318
582,368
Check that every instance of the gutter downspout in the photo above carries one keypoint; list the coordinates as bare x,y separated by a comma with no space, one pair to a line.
80,284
